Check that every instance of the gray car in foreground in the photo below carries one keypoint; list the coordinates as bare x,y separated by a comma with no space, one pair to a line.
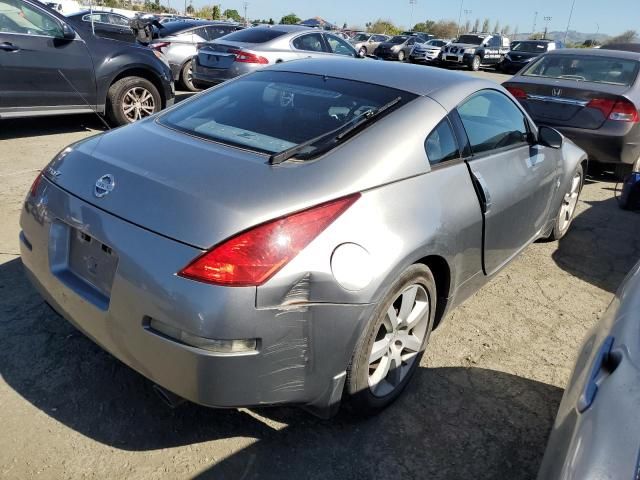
596,434
255,48
295,234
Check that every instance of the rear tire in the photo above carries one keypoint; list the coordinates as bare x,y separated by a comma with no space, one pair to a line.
362,52
568,207
130,99
392,344
186,77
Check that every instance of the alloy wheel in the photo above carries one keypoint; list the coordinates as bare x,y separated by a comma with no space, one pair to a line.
398,340
138,103
569,202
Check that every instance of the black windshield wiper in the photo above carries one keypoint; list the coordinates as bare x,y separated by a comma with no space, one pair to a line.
341,132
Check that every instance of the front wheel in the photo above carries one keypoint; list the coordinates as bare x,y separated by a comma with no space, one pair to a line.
568,206
401,55
186,77
391,346
474,64
132,98
362,52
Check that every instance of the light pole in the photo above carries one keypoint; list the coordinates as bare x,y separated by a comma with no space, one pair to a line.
246,21
535,20
466,17
566,32
546,26
460,17
412,4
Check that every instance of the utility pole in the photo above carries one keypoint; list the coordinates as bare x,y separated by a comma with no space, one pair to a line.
535,20
460,17
466,16
246,20
566,32
546,26
412,4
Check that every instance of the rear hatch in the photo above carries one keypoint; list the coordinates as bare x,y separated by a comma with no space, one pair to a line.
567,102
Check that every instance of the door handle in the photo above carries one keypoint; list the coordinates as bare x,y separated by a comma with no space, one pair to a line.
8,47
483,191
604,364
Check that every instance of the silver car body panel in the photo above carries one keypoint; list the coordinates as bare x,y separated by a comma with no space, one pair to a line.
164,212
603,440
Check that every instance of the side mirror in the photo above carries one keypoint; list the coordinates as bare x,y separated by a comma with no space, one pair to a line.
550,137
67,32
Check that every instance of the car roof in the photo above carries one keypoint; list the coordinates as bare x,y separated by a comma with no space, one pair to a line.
286,28
596,52
409,78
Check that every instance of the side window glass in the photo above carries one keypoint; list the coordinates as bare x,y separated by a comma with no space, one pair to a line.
311,43
492,121
201,32
339,46
19,17
119,21
216,32
441,144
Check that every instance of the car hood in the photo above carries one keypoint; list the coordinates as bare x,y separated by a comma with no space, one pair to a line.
199,192
463,45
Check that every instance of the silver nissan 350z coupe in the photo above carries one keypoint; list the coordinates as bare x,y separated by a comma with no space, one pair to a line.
293,235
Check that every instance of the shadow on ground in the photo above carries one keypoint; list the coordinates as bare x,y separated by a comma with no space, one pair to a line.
58,124
451,422
602,244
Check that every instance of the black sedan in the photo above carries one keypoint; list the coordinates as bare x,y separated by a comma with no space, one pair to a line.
592,96
105,24
524,52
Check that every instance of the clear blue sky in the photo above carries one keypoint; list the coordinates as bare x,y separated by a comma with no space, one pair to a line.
613,16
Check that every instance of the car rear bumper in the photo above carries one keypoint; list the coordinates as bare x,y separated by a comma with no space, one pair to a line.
205,76
302,350
615,142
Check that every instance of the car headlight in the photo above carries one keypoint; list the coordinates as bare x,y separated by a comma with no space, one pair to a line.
527,60
469,50
396,48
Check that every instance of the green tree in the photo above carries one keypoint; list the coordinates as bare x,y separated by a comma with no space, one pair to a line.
291,19
232,14
344,26
444,29
476,25
216,12
386,27
626,37
271,22
190,9
425,26
485,25
467,26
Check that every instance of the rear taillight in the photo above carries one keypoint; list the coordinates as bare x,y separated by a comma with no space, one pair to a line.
254,256
248,57
517,92
35,185
620,110
159,45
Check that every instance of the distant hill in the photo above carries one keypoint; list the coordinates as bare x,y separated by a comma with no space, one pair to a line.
572,36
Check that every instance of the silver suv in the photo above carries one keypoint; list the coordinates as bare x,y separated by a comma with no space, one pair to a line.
178,41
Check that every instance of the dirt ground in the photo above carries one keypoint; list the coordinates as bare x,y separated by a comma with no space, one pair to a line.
480,406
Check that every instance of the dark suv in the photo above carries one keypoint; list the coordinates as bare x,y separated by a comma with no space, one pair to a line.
47,68
475,50
524,52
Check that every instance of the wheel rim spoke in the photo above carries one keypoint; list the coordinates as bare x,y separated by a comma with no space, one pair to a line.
392,317
408,300
380,348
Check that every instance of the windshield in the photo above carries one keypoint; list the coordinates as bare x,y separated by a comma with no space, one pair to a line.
531,47
269,112
399,39
614,71
470,39
436,43
361,37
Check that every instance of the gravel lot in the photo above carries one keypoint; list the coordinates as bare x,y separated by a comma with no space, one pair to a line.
481,406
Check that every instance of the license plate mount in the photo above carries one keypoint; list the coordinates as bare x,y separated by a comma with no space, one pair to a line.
92,261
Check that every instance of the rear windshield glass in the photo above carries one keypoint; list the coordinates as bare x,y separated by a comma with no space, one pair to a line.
175,26
531,47
399,39
361,37
436,43
272,111
470,39
254,35
614,71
